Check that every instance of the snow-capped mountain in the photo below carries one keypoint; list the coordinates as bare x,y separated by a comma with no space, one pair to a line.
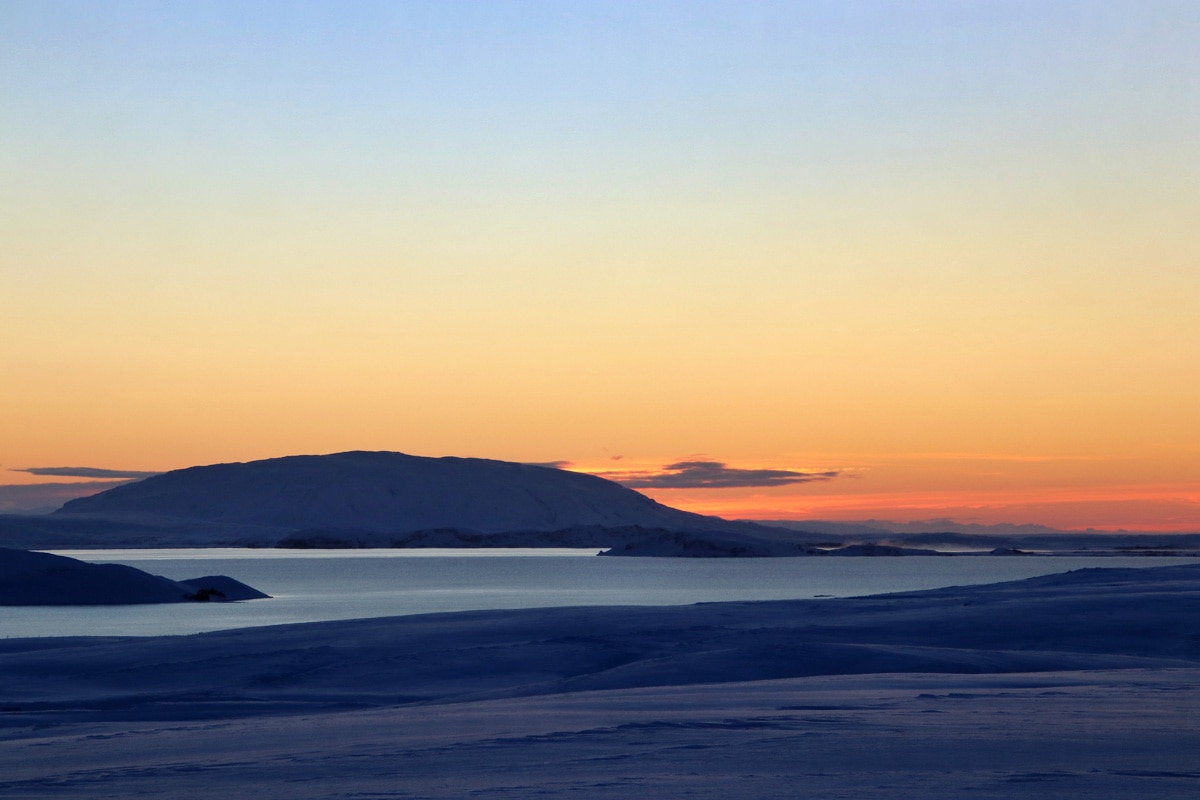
391,493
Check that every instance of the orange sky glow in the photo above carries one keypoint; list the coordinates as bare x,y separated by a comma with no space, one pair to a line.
946,252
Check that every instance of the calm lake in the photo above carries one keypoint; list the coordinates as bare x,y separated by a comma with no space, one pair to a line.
313,585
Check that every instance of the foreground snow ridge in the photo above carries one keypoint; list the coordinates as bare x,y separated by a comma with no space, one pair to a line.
1075,685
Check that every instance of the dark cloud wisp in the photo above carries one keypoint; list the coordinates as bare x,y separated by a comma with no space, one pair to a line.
716,475
87,472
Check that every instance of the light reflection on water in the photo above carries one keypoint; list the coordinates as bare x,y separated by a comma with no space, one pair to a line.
118,556
312,585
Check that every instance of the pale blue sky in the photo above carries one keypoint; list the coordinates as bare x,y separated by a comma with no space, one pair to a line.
802,231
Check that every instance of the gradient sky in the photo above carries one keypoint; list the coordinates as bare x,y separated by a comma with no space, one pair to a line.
949,251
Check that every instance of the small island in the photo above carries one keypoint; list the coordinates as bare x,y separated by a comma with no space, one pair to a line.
29,578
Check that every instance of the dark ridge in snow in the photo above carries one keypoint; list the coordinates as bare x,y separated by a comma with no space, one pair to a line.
680,544
391,493
44,579
720,545
880,550
625,540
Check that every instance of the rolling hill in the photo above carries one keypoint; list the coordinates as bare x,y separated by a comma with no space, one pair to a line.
382,498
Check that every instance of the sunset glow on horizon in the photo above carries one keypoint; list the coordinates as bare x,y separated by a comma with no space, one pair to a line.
942,257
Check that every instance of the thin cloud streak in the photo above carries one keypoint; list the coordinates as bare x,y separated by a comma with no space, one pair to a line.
86,472
714,475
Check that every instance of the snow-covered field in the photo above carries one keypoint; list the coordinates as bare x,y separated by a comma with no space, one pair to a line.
1079,685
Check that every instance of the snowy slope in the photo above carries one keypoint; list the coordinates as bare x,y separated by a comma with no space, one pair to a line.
391,493
1082,685
1101,619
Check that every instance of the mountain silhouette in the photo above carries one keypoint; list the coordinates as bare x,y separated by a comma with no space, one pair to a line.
388,493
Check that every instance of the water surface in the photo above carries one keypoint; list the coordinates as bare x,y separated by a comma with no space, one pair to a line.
315,585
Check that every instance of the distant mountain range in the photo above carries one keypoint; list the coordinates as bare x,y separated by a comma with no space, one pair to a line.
880,527
386,499
950,536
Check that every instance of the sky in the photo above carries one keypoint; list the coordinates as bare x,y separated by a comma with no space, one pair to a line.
839,260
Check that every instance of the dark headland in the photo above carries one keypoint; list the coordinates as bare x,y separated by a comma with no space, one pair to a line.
44,579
